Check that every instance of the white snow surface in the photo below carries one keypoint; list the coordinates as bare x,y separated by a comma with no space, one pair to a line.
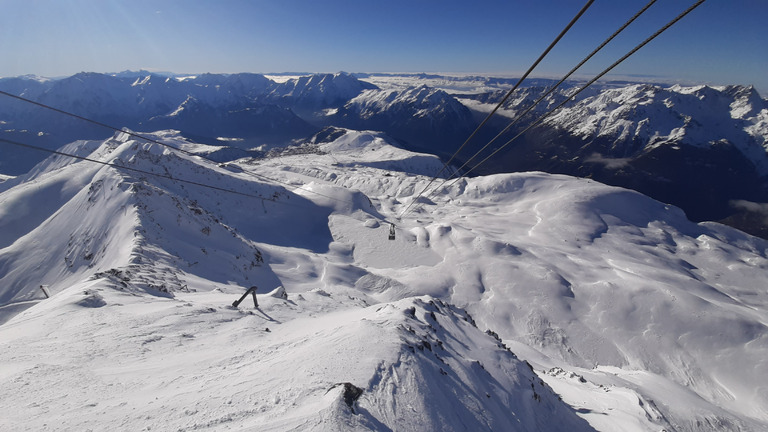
632,317
374,149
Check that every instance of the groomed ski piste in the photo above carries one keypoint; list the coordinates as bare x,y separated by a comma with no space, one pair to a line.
512,302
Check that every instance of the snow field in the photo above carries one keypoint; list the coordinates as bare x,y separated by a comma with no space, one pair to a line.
664,319
612,269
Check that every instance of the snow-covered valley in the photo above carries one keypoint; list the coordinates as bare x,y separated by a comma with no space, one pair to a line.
525,301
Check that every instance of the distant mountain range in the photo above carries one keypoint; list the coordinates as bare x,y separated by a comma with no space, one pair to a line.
701,148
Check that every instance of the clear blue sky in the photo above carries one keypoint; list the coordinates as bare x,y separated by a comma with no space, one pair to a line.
724,41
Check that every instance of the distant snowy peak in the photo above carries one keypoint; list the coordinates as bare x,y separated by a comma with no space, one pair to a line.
320,90
89,94
641,116
373,149
522,98
419,101
138,74
416,104
327,134
747,102
427,118
189,104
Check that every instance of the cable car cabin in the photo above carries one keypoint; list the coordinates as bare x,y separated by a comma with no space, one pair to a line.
391,231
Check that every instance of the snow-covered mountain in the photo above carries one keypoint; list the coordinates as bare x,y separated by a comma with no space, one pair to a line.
630,316
638,118
426,118
311,95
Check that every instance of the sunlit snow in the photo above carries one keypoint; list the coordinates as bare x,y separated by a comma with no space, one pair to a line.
631,317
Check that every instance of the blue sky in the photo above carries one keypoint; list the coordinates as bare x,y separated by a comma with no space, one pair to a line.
723,41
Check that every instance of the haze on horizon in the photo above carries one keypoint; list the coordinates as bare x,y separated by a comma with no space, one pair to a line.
719,43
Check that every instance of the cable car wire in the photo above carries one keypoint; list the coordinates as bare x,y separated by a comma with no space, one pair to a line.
572,96
504,99
520,116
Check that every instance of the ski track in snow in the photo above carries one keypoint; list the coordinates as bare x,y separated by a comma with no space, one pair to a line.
635,317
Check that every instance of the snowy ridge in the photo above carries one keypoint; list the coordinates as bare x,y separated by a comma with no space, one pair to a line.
133,223
94,94
424,101
376,150
522,99
643,116
318,91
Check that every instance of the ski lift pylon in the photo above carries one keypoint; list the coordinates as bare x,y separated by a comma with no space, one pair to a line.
251,290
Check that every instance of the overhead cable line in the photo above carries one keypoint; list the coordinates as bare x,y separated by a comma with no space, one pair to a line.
571,97
504,99
520,116
154,141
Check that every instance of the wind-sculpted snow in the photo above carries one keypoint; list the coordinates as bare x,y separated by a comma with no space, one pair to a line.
631,316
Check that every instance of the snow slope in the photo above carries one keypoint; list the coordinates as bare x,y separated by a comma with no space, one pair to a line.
149,361
632,317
